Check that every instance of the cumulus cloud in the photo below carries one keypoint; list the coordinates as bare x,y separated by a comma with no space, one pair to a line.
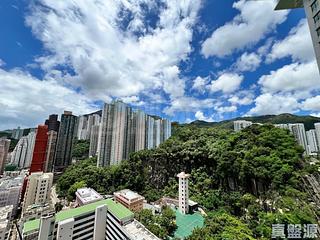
297,45
27,101
255,21
227,83
311,104
248,62
226,109
133,100
188,104
293,77
200,116
274,104
241,100
111,48
200,84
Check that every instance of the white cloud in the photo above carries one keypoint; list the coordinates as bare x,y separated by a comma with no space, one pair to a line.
200,116
293,77
200,83
226,109
188,104
133,100
315,114
255,21
227,83
248,62
110,58
298,45
274,104
312,104
27,101
245,100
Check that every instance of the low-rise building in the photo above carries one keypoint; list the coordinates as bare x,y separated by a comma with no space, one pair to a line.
10,192
129,199
36,211
38,189
87,195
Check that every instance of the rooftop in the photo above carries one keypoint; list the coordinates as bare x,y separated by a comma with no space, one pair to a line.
186,223
139,232
117,209
88,195
128,194
183,175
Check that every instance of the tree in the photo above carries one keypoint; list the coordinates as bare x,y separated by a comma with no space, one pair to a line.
73,188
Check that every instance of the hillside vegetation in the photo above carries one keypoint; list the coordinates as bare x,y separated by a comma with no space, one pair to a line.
245,181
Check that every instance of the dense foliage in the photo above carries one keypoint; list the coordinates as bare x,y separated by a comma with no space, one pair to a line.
162,225
248,180
80,149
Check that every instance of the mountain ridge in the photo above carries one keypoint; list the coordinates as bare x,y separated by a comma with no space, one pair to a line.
307,120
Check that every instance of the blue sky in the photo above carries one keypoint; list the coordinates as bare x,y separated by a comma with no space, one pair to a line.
184,60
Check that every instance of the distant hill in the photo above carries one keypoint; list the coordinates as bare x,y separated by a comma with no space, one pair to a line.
308,121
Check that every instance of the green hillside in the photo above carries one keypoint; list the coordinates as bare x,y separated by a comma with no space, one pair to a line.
308,121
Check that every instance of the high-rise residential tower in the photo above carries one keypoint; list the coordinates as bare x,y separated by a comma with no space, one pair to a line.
94,139
123,131
299,133
4,148
85,123
50,151
114,134
39,150
53,123
312,141
66,135
311,8
140,130
317,129
22,153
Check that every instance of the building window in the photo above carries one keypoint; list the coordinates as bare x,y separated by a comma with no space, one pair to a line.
318,31
316,18
314,6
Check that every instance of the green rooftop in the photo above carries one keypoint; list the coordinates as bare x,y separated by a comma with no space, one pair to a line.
186,223
117,209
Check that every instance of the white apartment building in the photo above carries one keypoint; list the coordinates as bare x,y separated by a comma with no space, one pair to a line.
183,192
86,196
94,140
241,124
311,8
104,219
5,217
140,130
38,189
312,141
4,148
317,129
85,123
22,153
123,131
299,133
